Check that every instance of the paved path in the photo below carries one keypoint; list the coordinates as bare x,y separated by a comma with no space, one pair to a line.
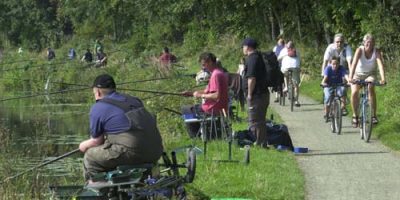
340,166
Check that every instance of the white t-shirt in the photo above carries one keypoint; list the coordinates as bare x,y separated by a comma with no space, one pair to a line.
344,55
365,65
287,61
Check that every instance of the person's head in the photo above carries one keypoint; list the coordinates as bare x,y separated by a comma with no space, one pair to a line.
334,63
369,41
281,42
339,40
249,45
103,85
208,60
290,45
166,50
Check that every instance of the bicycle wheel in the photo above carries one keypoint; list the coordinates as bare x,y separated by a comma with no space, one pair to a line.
291,95
367,121
361,119
338,116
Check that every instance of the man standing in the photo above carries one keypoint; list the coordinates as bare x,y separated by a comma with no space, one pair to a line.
122,131
340,50
255,88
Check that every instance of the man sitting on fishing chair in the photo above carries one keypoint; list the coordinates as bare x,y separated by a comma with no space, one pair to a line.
214,96
122,131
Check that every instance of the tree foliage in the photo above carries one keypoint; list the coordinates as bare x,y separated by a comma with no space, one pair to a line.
195,23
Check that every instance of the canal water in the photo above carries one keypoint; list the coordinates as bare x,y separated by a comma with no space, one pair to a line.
36,130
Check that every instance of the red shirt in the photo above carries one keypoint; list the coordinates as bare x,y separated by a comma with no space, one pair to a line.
167,58
218,83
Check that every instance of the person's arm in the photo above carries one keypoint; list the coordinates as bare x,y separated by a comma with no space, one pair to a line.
324,63
324,81
251,82
349,54
356,58
380,66
89,143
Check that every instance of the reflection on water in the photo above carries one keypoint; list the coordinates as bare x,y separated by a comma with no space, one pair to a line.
34,132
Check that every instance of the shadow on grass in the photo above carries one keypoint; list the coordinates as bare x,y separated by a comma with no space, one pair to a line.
197,194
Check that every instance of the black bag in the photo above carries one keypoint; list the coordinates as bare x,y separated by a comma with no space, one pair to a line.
244,137
278,134
274,74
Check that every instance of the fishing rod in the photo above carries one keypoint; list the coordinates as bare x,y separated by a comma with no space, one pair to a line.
44,94
153,92
18,61
37,66
41,165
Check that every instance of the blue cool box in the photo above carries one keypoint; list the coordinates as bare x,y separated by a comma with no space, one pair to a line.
189,116
300,150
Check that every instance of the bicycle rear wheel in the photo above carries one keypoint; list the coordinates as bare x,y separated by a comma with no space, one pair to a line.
338,116
291,95
367,121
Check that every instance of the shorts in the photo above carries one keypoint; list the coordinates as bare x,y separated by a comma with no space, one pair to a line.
295,74
328,92
367,76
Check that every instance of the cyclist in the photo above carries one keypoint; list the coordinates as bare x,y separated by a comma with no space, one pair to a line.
277,50
334,74
338,49
364,68
290,59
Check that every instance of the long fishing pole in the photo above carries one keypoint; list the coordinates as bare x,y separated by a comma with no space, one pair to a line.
43,94
153,92
41,165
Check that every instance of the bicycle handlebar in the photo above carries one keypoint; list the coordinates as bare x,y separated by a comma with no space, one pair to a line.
334,85
363,82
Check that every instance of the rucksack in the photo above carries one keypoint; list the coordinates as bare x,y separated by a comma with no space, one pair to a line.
273,73
278,134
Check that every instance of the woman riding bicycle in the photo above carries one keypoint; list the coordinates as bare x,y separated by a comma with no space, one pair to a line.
334,74
364,68
290,59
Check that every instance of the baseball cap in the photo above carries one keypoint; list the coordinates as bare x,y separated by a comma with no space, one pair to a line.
250,42
104,81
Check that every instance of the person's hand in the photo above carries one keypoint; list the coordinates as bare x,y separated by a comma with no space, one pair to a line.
197,94
382,82
187,93
82,147
324,84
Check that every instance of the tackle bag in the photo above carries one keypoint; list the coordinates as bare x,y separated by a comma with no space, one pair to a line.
278,134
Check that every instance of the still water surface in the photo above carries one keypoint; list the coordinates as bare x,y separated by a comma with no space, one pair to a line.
39,129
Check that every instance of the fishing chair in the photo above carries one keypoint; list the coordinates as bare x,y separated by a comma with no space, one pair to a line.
212,126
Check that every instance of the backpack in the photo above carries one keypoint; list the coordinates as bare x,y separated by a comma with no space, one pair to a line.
273,73
278,134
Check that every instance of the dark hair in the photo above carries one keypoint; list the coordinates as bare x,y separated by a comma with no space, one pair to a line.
335,58
166,49
208,56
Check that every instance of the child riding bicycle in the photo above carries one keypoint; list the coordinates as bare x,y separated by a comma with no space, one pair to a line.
334,74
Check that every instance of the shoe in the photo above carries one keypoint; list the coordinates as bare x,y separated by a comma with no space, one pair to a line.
354,122
297,104
344,112
276,100
374,120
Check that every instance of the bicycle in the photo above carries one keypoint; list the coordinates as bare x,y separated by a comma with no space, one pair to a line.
335,108
290,90
365,109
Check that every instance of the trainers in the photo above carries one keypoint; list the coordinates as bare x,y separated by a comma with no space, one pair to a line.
344,112
297,104
354,121
374,120
276,100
